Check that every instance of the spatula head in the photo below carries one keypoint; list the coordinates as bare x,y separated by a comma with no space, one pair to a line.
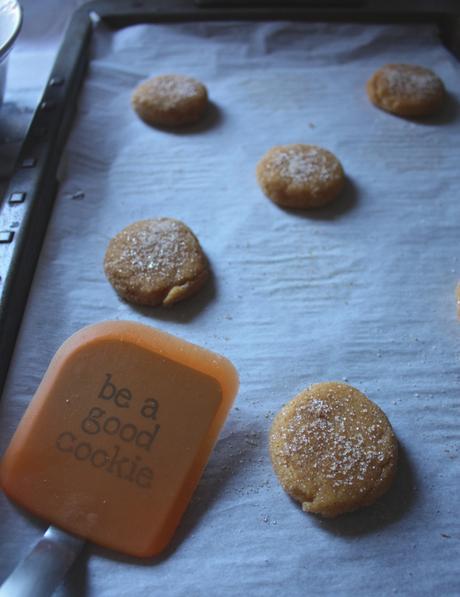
118,433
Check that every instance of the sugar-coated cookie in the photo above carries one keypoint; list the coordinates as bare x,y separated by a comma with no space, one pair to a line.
170,100
332,449
300,176
406,90
157,261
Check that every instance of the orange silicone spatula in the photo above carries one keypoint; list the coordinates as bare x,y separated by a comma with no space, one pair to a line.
117,435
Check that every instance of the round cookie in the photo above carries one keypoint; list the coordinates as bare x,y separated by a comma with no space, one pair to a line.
170,100
157,261
332,449
300,176
406,90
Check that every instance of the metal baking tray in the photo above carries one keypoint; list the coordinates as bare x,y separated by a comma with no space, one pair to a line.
27,204
323,294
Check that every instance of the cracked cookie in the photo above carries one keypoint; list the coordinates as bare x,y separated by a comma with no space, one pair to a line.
156,262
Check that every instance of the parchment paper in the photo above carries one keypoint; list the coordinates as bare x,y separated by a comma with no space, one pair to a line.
362,291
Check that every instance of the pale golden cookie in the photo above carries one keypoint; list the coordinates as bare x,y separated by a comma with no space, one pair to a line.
406,90
158,261
300,176
170,100
332,449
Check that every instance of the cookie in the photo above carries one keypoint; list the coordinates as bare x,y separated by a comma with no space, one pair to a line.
300,176
406,90
157,261
332,449
170,100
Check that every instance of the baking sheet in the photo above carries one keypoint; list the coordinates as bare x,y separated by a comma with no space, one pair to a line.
361,291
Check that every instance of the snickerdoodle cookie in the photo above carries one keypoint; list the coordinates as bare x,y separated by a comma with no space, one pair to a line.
406,90
332,449
157,261
170,100
300,176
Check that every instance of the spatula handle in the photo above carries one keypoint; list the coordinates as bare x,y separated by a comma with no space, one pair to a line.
41,571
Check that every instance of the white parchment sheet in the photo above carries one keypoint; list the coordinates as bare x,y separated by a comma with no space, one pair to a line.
361,291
